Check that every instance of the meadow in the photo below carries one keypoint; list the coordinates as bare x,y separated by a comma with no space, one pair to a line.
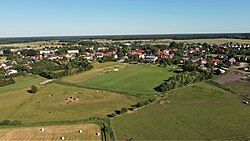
69,132
197,112
98,69
135,79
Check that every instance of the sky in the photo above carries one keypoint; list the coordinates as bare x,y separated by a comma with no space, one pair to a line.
20,18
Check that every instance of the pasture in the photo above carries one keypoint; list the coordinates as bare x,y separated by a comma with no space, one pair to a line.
57,102
15,95
135,80
197,112
69,132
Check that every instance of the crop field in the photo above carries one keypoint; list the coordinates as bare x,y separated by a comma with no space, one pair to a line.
216,41
135,80
99,69
69,132
197,112
38,44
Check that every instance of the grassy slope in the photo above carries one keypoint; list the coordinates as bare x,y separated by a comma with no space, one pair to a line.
90,104
70,132
141,80
196,112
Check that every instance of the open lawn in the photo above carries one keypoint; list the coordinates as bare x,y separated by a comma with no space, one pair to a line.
57,102
135,80
69,132
99,68
197,112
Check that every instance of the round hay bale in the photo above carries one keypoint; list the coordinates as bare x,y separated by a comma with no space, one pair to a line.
98,134
62,138
42,129
80,131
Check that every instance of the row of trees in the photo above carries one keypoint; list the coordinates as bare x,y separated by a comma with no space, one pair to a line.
183,79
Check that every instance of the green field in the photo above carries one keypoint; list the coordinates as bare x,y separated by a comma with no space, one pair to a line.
136,80
197,112
99,69
49,103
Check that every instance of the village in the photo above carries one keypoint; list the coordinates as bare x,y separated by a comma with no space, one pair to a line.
217,58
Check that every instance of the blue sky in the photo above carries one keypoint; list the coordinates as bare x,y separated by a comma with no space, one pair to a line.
101,17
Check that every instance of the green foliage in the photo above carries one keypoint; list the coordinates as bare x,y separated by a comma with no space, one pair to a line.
6,81
10,123
33,89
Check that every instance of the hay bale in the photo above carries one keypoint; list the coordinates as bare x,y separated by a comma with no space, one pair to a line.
42,129
80,131
62,138
98,134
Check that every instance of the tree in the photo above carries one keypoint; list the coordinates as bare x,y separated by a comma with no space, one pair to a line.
33,89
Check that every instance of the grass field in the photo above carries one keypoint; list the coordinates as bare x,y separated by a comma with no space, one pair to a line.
70,132
49,104
239,87
136,80
216,41
99,68
197,112
12,96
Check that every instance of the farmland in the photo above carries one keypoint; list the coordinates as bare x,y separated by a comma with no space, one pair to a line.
197,112
70,132
136,80
216,41
99,69
35,45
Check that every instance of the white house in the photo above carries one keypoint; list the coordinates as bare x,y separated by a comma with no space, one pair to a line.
151,58
10,72
44,51
73,51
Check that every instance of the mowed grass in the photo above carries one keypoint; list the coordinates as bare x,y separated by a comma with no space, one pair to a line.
70,132
49,104
136,80
12,96
239,87
197,112
98,69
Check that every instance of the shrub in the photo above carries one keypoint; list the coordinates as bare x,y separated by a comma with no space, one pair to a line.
33,89
9,122
124,110
111,115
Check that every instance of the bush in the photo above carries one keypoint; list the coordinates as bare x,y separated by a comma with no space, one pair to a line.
124,110
33,89
111,115
9,122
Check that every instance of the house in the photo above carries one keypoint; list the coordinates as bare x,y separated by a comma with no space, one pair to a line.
10,72
2,65
151,58
44,51
232,61
73,51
